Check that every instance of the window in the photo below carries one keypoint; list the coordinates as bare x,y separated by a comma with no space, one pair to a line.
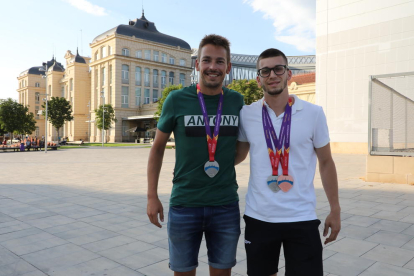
154,95
37,84
37,112
70,85
110,74
171,78
125,96
147,77
125,73
103,52
163,78
172,60
146,96
37,132
96,55
156,54
182,79
109,50
148,54
137,96
62,92
103,76
182,62
110,95
155,78
137,75
164,58
138,54
125,52
37,97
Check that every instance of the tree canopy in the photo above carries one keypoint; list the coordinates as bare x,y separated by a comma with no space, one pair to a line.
109,117
248,88
59,111
165,93
16,118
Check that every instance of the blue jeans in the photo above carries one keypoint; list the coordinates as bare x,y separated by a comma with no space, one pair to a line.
221,227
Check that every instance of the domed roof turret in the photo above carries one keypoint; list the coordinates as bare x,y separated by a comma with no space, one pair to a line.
144,29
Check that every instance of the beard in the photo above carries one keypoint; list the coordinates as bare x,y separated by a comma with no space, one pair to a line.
211,84
275,91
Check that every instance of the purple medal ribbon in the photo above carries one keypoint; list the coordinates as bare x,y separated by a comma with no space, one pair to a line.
211,140
284,137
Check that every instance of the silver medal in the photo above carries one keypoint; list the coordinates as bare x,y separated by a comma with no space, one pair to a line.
272,183
211,168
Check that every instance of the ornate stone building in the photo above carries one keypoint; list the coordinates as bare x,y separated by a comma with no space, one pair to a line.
130,66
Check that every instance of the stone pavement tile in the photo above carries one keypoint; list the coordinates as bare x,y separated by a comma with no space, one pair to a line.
43,214
7,257
352,246
37,246
5,218
365,204
18,268
48,222
93,267
66,227
380,269
21,241
390,255
389,200
326,253
34,273
409,219
409,210
390,238
145,258
123,271
146,235
361,221
240,268
126,250
409,230
407,202
60,260
410,265
361,211
396,216
357,232
18,234
14,226
105,244
101,217
78,232
393,226
162,243
343,264
409,245
93,237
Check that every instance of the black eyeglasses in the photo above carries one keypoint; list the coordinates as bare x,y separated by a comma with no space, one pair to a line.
278,70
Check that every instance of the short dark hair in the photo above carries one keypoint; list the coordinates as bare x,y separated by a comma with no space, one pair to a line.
216,40
271,52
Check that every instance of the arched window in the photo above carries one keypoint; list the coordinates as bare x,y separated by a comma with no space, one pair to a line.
37,97
125,73
96,55
125,52
182,79
103,51
155,78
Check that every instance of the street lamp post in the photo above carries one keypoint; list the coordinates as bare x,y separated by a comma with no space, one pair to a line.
45,99
103,117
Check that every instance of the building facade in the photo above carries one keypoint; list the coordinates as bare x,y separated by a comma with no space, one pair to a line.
130,66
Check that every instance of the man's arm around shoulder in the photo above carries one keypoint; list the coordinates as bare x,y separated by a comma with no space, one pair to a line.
242,149
329,178
154,205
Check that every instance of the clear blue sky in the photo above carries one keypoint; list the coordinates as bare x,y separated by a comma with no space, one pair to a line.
32,31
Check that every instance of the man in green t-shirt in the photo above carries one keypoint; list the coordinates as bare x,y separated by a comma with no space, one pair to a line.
205,120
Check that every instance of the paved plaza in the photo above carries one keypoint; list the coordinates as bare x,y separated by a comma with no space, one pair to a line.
83,212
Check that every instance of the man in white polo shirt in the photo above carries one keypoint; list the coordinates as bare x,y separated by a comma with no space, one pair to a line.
285,136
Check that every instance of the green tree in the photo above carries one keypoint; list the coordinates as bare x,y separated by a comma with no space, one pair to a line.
248,88
109,117
59,111
16,118
165,93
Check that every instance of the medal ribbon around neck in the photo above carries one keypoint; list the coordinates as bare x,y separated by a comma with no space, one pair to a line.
211,140
284,139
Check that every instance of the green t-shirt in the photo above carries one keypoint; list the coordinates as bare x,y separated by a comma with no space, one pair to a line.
181,114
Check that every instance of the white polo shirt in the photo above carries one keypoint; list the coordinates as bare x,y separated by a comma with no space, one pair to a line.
309,130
